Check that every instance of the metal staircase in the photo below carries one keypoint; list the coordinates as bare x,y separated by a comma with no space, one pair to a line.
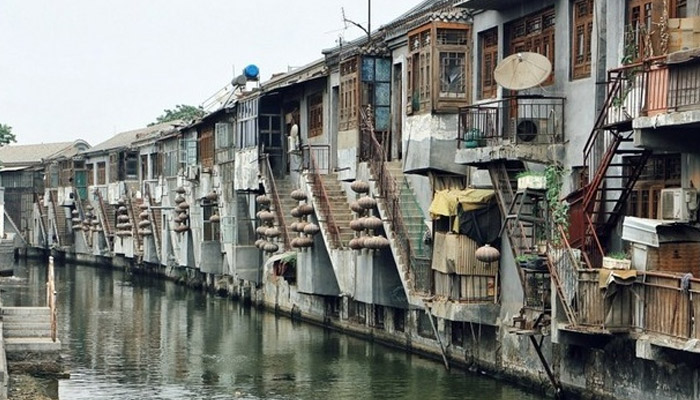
610,166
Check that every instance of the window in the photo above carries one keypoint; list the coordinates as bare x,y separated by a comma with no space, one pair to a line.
247,127
679,9
224,142
315,105
206,146
488,41
534,33
581,36
131,165
188,151
101,173
348,94
90,174
399,320
643,36
170,157
210,230
445,46
660,172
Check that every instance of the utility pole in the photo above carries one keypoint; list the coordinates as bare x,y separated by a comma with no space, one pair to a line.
367,30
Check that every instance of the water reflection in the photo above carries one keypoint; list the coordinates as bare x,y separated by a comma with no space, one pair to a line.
131,337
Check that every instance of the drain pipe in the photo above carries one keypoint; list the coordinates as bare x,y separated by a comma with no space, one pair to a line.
437,335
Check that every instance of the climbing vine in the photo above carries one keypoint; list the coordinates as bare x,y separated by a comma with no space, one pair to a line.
559,210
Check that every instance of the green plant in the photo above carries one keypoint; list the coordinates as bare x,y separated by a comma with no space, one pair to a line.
618,255
559,210
290,259
525,258
525,174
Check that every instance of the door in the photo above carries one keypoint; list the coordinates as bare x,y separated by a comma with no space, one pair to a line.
270,128
81,183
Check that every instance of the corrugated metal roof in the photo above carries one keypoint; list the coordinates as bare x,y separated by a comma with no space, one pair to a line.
28,154
125,139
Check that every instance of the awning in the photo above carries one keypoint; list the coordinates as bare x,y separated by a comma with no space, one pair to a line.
652,232
12,169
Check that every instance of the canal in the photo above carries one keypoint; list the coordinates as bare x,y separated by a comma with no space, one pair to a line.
133,337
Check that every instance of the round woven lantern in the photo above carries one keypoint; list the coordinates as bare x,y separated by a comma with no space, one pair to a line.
121,201
376,242
272,232
367,202
263,200
293,226
305,242
295,243
301,226
372,223
143,206
306,209
181,228
179,199
356,207
487,254
143,215
144,224
76,220
74,212
312,229
145,232
295,212
121,210
355,244
267,216
215,218
271,247
123,218
259,243
261,230
360,186
211,196
180,190
356,225
298,195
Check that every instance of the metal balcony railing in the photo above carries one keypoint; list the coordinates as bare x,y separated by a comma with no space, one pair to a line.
316,160
517,120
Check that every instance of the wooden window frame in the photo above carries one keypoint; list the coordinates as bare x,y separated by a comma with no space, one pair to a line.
101,173
434,49
534,33
349,94
581,38
657,175
488,45
315,115
90,168
205,147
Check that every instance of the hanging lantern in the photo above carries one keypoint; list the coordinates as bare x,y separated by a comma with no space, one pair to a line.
143,206
355,244
272,232
144,224
298,195
143,215
181,228
367,202
271,247
306,209
215,218
74,212
261,230
376,242
305,242
76,220
312,229
121,210
179,199
123,218
267,216
372,223
293,226
487,254
295,212
295,243
301,226
211,196
121,201
263,200
145,232
356,225
356,207
180,190
360,186
259,243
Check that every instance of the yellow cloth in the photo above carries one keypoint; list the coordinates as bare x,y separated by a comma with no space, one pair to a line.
606,276
445,201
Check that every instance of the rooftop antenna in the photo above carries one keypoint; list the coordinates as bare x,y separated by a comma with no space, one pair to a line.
367,30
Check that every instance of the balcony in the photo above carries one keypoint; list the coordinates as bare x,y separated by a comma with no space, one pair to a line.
668,115
529,128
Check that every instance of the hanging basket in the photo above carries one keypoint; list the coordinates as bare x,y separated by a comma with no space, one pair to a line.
263,200
304,242
144,224
376,242
145,232
301,226
123,218
260,243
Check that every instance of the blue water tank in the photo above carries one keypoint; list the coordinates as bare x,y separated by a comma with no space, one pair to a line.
251,72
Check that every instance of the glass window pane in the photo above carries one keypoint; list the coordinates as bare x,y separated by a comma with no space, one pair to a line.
382,94
367,69
382,118
383,70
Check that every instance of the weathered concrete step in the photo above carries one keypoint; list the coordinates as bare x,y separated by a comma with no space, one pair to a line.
26,333
25,311
31,344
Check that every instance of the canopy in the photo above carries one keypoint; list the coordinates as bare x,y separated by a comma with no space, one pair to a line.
445,201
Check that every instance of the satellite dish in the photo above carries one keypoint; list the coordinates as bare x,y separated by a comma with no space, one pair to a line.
522,71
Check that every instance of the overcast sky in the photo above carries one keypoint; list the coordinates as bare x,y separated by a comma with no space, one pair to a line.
91,68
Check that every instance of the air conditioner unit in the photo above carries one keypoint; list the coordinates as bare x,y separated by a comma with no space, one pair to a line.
526,130
678,204
192,172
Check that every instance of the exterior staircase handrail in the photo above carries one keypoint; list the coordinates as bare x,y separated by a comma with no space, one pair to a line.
322,195
44,232
52,201
152,216
281,221
103,218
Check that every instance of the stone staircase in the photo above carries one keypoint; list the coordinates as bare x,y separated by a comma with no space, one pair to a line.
413,216
340,209
28,329
285,186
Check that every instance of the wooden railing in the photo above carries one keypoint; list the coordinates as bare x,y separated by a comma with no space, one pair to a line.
279,212
321,195
54,208
106,226
42,219
134,222
51,299
152,215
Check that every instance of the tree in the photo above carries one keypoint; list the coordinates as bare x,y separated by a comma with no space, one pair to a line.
6,135
182,112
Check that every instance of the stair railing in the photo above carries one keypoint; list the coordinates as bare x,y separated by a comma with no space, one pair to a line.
320,193
152,216
51,299
390,191
54,207
279,212
107,228
42,223
134,223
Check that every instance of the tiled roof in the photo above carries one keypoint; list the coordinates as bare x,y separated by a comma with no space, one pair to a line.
28,154
125,139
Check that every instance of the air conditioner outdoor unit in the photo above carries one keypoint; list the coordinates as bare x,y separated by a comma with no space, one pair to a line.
527,130
192,172
678,204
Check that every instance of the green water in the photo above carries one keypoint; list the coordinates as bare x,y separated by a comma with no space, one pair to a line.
128,337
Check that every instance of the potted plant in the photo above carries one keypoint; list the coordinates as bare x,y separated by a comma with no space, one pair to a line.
531,180
530,261
618,260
